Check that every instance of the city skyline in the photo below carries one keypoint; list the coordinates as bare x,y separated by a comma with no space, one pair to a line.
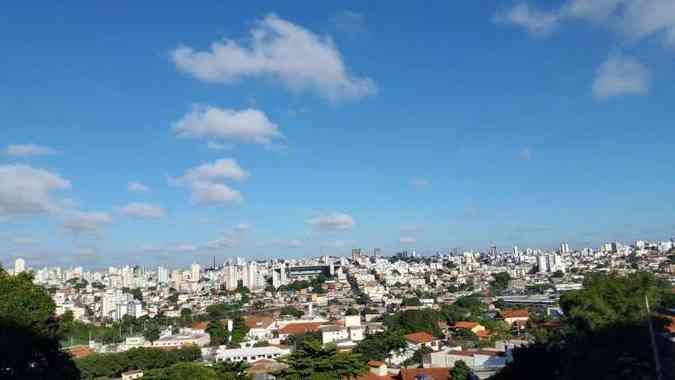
289,132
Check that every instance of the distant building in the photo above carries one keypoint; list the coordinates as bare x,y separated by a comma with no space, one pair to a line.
19,266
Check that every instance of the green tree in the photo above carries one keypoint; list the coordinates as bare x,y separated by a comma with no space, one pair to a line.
460,371
181,371
151,333
29,333
291,311
605,334
381,346
313,361
218,333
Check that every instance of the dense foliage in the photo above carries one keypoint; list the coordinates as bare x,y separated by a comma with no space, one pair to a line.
29,333
112,365
194,371
381,346
606,334
411,321
313,361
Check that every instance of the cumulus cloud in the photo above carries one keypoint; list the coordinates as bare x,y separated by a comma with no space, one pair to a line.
420,183
137,187
81,222
25,150
248,125
143,211
633,19
202,181
537,23
298,58
219,169
407,240
205,193
332,221
25,190
620,75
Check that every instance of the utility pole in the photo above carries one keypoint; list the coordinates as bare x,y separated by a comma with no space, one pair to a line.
657,362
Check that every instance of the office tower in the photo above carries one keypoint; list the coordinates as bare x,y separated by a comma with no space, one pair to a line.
516,251
493,250
194,272
542,263
564,248
19,265
162,275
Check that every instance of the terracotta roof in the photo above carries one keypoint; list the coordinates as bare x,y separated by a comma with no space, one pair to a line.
78,352
259,321
200,325
300,328
419,337
433,373
483,334
375,363
370,376
464,325
515,313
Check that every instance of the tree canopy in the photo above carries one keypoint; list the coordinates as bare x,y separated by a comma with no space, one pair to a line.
605,334
311,360
29,332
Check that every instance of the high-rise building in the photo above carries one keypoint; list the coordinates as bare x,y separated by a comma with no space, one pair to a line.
194,272
542,263
19,265
162,275
564,248
516,251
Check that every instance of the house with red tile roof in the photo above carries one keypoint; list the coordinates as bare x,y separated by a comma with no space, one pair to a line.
518,316
298,328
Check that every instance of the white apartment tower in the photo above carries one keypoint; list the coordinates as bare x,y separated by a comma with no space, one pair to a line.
19,265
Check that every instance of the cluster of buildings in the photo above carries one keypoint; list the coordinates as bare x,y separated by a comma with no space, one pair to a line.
342,300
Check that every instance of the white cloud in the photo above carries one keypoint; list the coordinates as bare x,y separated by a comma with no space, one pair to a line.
332,221
143,210
300,59
219,169
26,190
407,240
633,19
620,75
248,125
536,22
420,183
86,222
205,193
24,150
137,187
202,181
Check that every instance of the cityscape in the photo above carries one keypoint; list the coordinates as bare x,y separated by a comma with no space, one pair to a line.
339,190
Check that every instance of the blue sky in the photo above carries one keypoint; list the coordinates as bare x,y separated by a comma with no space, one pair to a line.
281,130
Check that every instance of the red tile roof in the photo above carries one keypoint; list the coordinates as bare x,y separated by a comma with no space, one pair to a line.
300,328
78,352
434,373
259,321
419,337
375,363
515,313
200,325
464,325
